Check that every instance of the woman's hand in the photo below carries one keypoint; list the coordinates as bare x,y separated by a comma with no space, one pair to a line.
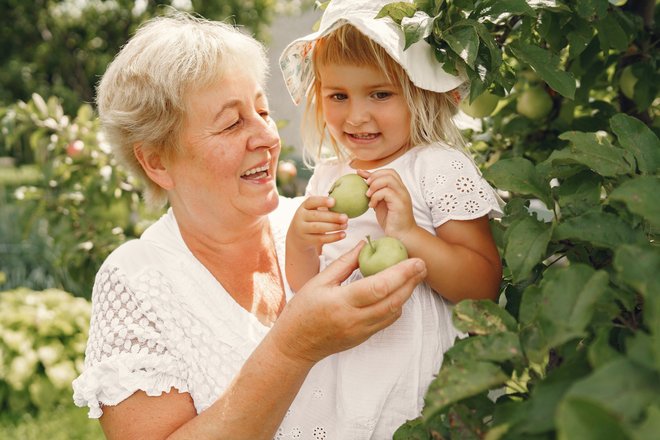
325,317
391,201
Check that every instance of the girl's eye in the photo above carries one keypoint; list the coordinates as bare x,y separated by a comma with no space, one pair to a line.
339,97
382,95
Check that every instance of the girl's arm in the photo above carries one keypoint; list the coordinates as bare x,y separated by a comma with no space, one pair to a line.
312,226
322,319
462,259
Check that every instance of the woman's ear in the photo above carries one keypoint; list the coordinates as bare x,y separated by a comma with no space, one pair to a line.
153,165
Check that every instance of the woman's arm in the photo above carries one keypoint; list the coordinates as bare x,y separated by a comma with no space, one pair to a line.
322,319
462,258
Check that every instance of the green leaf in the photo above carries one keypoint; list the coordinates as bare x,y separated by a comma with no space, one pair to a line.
526,242
651,425
599,351
416,28
412,430
570,293
482,317
590,8
579,193
546,65
464,41
622,388
519,175
578,40
640,195
456,382
641,348
495,8
595,152
496,347
611,34
581,419
638,266
397,11
600,229
637,138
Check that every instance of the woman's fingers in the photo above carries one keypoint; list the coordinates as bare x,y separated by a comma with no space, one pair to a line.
386,291
338,270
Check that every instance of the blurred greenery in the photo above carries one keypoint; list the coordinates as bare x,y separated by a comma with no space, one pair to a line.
66,422
61,47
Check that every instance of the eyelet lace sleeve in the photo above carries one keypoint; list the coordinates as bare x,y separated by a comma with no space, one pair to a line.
127,349
453,188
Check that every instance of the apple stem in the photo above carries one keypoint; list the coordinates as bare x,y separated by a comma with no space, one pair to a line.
370,243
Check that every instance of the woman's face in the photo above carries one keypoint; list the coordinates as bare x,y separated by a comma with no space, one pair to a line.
229,152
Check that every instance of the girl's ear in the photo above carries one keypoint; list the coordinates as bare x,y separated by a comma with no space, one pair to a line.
153,165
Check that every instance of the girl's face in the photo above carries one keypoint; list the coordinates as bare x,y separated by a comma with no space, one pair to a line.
365,113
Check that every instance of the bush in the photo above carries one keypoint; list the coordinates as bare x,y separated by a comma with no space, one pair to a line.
42,343
59,227
572,350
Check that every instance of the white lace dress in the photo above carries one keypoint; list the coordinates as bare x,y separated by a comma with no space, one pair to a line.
161,320
369,391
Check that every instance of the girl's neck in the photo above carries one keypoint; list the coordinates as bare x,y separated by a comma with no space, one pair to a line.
358,164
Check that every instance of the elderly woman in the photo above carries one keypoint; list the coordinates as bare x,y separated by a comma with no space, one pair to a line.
192,334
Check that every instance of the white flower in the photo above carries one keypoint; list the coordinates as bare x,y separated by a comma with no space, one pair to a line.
21,369
62,374
51,353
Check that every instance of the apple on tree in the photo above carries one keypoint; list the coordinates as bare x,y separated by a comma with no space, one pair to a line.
481,107
380,254
350,194
286,171
627,82
534,103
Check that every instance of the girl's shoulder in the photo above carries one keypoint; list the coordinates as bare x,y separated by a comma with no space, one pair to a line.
440,156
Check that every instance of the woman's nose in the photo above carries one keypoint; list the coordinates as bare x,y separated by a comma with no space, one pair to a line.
264,135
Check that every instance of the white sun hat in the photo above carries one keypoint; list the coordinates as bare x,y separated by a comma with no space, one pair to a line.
418,60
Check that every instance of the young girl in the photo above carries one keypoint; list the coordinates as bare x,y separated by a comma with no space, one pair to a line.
387,114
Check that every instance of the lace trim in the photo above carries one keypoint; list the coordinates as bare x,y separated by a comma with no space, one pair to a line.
113,380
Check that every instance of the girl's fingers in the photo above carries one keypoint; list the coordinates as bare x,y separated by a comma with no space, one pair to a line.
325,217
316,202
321,227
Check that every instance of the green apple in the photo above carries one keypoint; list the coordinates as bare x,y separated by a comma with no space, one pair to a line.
380,254
350,194
534,103
481,107
627,82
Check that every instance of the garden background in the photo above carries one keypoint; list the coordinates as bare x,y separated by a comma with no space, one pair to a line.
563,120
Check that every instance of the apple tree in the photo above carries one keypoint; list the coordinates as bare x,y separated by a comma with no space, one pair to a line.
572,350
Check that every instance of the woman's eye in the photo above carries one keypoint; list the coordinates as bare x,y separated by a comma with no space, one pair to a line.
232,126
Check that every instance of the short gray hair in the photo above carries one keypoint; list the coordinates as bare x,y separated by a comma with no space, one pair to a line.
141,98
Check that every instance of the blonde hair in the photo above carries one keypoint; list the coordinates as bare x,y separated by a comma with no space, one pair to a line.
142,96
431,113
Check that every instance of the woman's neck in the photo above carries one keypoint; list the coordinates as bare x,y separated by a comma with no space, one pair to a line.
243,260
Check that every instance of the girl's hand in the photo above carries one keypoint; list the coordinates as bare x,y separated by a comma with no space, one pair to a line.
391,201
313,225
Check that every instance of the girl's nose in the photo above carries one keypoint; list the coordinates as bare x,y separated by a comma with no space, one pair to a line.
358,115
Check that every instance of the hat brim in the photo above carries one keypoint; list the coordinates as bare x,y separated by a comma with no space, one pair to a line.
418,60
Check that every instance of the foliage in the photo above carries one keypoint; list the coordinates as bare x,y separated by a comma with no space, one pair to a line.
61,47
42,343
573,349
66,422
58,227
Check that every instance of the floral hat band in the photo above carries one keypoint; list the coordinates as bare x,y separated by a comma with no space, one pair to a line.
418,60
